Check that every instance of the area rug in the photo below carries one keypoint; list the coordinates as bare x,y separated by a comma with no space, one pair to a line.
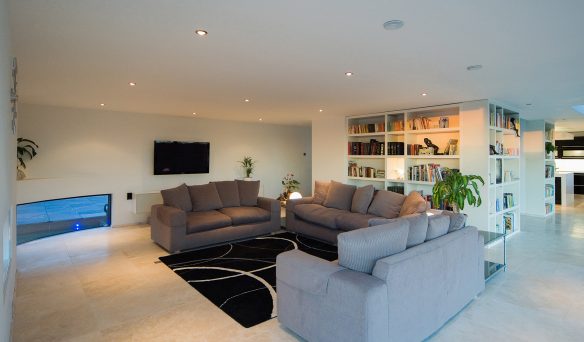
240,277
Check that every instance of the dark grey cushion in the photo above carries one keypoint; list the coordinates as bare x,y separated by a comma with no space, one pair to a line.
228,193
386,204
204,197
457,220
177,197
201,221
320,191
418,227
339,196
245,215
362,199
437,226
413,203
318,214
248,192
360,249
351,221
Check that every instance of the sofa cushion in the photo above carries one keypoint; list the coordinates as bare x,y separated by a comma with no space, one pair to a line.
413,203
201,221
228,193
204,197
177,197
339,196
351,221
248,192
360,249
457,220
418,227
245,215
318,214
362,199
386,204
437,226
320,191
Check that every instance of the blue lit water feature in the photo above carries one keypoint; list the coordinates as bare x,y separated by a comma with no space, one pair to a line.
46,218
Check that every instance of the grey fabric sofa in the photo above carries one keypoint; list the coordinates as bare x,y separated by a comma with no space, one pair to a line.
201,215
336,208
403,296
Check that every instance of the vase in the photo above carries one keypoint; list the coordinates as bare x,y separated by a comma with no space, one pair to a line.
20,175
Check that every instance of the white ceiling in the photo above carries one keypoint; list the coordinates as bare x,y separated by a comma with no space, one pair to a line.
289,57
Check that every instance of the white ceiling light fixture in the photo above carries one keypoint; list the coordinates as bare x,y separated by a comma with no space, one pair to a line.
194,113
394,24
201,33
261,119
132,84
474,67
245,100
349,73
321,110
102,104
424,94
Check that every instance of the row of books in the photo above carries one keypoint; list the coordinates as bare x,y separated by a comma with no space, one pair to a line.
395,148
509,221
426,173
396,188
373,147
549,190
367,128
508,202
396,126
361,171
549,207
498,119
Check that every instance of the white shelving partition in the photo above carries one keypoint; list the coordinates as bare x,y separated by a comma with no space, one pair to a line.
540,167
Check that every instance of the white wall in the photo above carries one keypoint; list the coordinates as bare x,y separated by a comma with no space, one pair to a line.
329,149
573,165
7,176
84,152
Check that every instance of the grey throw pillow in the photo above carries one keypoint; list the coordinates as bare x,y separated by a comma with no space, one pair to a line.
248,192
177,197
320,191
205,197
386,203
457,220
418,227
437,226
362,198
360,249
228,193
339,196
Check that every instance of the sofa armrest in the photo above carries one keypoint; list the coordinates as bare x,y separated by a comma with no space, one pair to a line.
170,216
304,271
269,204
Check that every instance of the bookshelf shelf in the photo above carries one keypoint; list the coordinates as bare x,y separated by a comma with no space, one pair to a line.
366,156
503,157
368,179
504,211
395,133
434,156
376,134
433,130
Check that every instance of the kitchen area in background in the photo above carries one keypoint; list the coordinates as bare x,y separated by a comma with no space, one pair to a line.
569,168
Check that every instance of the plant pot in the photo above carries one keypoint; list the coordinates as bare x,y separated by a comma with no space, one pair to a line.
20,175
247,179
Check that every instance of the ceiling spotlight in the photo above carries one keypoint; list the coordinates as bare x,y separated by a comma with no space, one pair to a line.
424,94
474,67
261,119
102,104
528,104
246,100
395,24
348,74
194,113
201,33
132,84
321,110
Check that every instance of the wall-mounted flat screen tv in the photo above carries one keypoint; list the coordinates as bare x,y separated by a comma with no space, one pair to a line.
180,157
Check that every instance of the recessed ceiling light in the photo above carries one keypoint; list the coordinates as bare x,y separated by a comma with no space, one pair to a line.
132,84
194,113
261,119
528,104
395,24
424,94
321,110
348,74
201,33
474,67
246,100
102,104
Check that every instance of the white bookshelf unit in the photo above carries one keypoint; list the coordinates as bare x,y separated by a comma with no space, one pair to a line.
540,199
465,131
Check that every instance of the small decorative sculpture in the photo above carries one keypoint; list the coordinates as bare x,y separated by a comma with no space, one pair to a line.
429,143
514,126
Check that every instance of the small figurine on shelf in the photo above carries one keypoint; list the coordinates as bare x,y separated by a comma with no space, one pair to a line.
429,143
515,126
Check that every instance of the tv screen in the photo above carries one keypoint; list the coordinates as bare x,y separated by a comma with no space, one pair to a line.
179,157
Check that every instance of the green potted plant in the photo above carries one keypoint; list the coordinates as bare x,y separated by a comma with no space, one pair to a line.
549,149
248,165
289,185
25,149
456,189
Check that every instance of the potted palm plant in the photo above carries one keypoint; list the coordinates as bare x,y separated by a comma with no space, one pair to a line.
456,189
248,164
25,149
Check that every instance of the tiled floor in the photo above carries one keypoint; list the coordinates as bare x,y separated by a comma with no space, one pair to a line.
103,285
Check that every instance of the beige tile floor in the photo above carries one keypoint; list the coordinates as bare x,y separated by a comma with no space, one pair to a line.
104,285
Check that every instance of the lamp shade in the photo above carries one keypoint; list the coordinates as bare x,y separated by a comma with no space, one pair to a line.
295,195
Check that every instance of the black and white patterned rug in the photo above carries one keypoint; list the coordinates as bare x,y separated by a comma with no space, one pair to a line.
240,277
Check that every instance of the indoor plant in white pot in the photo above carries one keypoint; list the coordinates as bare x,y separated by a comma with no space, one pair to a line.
25,149
456,189
248,164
